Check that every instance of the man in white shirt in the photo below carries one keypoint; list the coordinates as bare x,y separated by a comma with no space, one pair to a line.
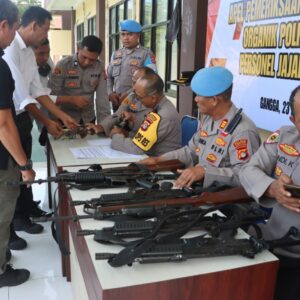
20,57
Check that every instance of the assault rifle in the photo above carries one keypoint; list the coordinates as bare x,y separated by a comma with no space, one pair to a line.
133,175
201,246
214,225
155,208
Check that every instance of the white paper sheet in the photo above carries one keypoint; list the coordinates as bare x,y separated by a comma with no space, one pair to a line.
100,151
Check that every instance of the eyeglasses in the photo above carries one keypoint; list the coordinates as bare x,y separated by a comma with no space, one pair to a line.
141,98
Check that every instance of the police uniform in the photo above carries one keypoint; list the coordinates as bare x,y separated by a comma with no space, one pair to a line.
159,133
130,104
68,78
124,62
278,155
220,153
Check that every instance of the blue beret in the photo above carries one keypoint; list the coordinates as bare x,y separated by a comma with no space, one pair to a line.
130,26
212,81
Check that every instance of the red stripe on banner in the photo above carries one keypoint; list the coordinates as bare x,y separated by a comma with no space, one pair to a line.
212,14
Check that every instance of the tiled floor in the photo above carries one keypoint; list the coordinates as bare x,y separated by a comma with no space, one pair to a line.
42,259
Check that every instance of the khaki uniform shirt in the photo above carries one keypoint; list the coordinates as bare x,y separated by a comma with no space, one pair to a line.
280,154
122,66
130,104
221,154
168,133
68,78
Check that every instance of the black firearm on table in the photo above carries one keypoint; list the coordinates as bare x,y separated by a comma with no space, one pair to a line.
130,176
237,215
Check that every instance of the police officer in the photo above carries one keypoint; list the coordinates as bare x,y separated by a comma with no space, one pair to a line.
126,60
160,131
277,162
214,154
129,108
82,75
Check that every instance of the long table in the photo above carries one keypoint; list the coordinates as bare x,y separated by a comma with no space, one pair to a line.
59,157
232,277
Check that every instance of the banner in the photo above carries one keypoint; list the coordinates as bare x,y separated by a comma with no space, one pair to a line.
259,42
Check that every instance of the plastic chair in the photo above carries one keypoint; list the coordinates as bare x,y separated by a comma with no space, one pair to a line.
189,125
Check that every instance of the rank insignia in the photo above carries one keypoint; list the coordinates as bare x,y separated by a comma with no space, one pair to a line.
211,158
278,171
203,133
133,106
273,138
223,124
220,142
242,150
197,149
289,149
72,72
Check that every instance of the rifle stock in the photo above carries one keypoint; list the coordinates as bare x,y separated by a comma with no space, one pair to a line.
232,195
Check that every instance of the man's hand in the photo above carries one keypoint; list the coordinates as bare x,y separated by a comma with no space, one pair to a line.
54,129
151,160
276,190
28,175
128,116
80,101
117,130
189,176
96,127
68,121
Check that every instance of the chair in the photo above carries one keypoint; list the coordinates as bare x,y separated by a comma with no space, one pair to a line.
189,125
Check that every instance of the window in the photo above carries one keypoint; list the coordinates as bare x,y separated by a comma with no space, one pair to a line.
92,26
80,32
117,13
155,15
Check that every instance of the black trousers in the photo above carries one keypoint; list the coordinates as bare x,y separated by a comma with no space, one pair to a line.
288,279
25,200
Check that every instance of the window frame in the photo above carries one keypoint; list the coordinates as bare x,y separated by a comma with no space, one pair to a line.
79,32
168,55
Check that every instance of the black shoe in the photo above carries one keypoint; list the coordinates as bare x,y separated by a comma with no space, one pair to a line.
13,277
25,224
15,242
36,212
8,255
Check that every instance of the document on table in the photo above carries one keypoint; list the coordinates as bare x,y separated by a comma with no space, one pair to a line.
100,151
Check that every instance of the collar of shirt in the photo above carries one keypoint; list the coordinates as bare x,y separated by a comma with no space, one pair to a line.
229,116
20,41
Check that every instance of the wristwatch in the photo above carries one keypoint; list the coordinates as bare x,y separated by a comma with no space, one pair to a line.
27,166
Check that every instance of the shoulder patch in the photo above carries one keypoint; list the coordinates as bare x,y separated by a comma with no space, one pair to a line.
242,149
290,150
273,138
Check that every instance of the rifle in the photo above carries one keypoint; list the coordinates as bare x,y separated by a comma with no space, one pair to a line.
131,175
202,246
214,224
157,207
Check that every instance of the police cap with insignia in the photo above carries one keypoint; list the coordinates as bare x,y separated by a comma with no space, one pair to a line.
130,26
211,81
